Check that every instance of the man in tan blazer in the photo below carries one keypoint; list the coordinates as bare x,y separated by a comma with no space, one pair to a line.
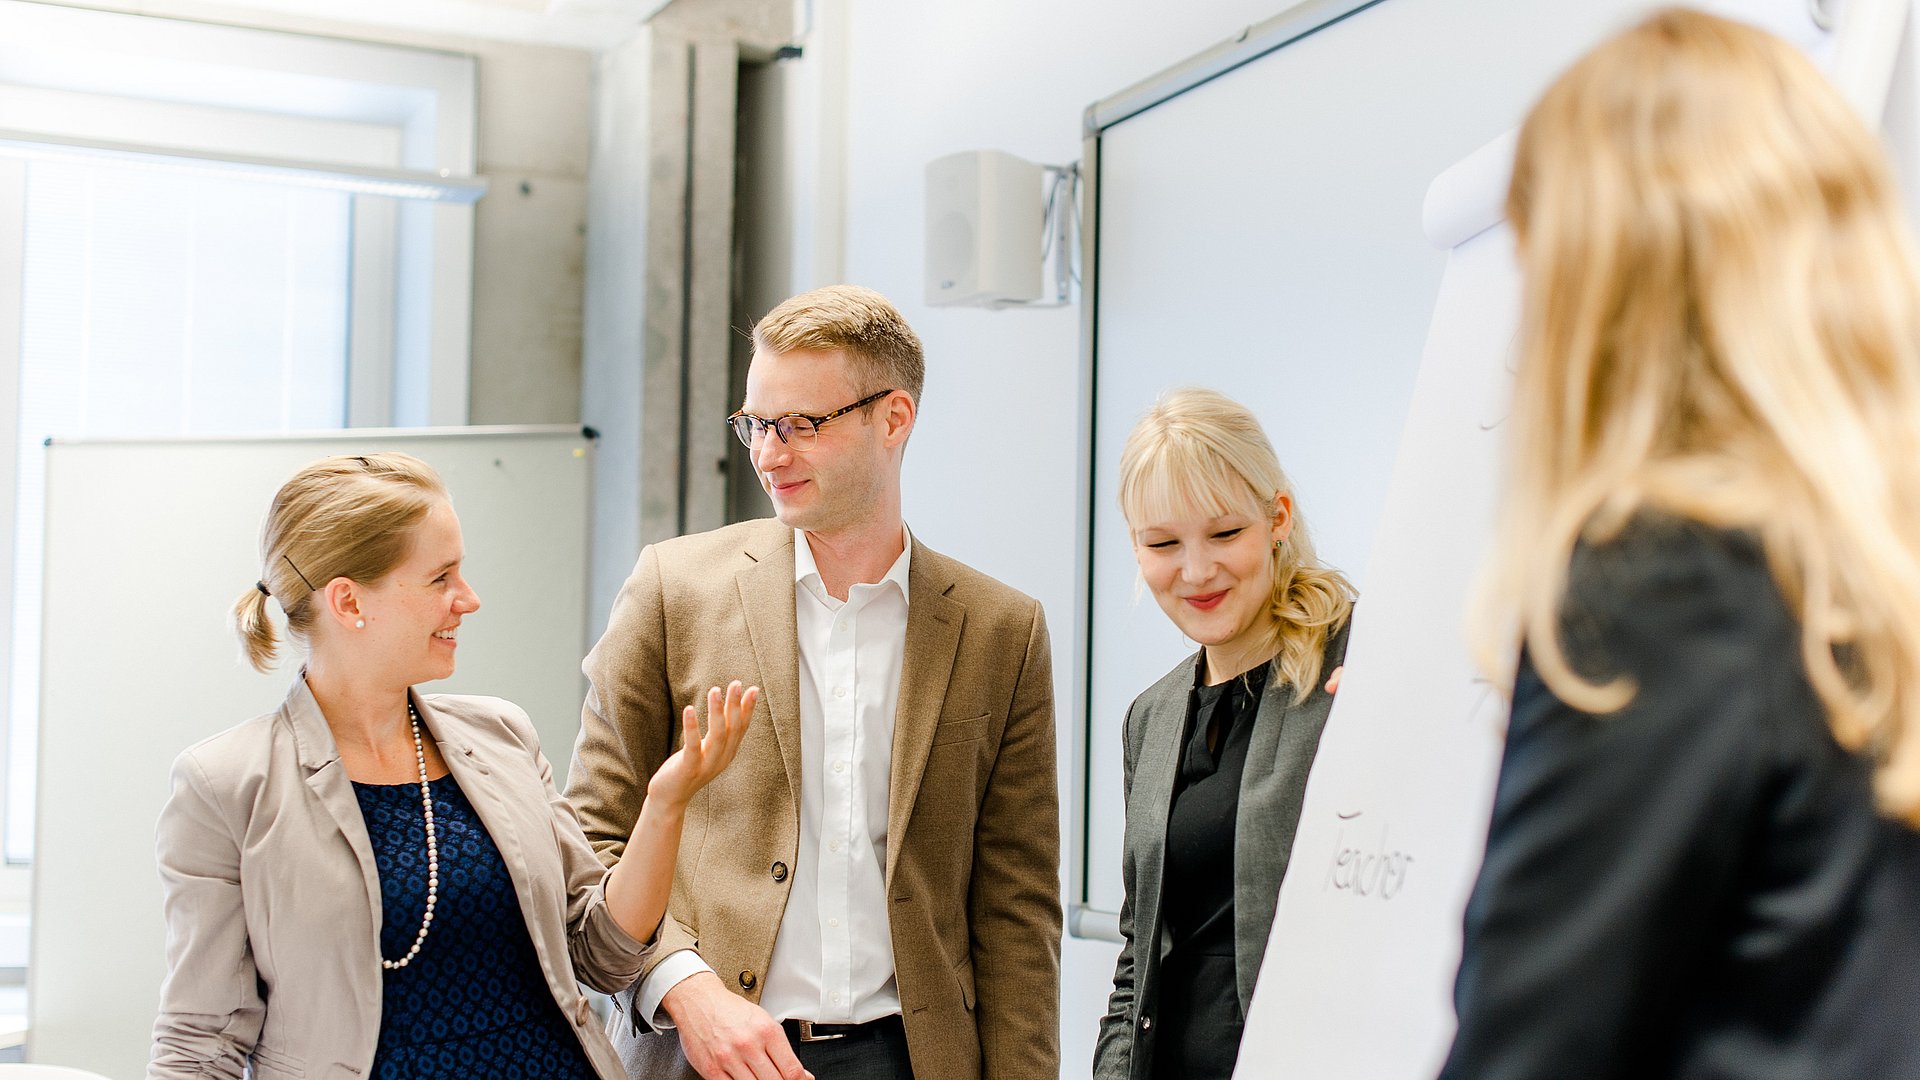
872,888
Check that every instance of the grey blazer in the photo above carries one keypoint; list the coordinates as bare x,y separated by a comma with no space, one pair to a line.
272,897
1285,738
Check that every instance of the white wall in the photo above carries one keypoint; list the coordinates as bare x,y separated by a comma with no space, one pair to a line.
927,79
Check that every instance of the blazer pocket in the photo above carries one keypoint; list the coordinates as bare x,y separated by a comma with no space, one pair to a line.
269,1063
953,731
964,972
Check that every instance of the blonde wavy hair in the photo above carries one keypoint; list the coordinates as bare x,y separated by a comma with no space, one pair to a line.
1721,322
350,517
1199,453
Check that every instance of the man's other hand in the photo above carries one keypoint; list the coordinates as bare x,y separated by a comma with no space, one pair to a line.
727,1037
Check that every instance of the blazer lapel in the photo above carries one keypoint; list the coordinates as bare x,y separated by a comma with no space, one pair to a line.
1273,785
1164,720
934,620
492,802
472,774
327,779
766,596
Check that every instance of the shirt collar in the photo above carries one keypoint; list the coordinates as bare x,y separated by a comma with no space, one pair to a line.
807,572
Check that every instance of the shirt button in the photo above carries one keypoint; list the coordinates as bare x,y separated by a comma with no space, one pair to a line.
833,922
836,997
839,691
839,766
833,845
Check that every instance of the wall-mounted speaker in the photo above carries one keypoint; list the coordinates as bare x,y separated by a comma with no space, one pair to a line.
985,211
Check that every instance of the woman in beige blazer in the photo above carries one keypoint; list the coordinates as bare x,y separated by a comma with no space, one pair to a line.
369,881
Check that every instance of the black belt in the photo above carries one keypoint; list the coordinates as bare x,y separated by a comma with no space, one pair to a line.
807,1031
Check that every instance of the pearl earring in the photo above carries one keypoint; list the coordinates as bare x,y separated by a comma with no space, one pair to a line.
361,624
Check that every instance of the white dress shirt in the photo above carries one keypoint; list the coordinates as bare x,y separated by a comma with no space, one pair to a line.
833,958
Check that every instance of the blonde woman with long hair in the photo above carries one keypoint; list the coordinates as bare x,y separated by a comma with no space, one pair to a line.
375,882
1217,752
1702,860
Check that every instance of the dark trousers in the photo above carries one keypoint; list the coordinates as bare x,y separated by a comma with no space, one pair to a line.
878,1051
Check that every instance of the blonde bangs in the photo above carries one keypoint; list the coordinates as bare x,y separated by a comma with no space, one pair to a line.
1178,479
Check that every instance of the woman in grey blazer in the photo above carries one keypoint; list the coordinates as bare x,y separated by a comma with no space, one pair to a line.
370,881
1217,752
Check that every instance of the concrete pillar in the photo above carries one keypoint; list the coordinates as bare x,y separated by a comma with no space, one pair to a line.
660,275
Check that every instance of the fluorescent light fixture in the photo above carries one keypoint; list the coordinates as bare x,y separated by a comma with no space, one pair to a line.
391,183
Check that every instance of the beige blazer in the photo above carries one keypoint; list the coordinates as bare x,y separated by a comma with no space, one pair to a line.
272,898
973,827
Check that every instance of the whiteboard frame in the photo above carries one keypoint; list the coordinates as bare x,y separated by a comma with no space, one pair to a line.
1256,41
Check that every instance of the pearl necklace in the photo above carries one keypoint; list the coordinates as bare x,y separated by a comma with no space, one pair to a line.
433,848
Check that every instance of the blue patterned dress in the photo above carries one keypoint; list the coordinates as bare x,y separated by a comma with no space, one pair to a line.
473,1003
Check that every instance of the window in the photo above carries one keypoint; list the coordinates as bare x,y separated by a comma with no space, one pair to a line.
157,305
205,231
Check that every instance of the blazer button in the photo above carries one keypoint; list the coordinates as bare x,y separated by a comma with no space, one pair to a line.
779,871
748,980
1146,1023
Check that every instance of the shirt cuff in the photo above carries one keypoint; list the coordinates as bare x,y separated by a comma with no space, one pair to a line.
667,974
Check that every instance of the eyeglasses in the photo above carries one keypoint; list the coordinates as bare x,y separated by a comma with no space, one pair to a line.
797,430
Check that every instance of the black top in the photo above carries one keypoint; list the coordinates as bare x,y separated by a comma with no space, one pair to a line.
1200,1007
1697,886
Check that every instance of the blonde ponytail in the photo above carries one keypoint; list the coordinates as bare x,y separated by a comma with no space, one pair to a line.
1310,601
258,639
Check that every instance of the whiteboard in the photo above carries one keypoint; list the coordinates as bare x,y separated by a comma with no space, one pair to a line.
1260,233
148,544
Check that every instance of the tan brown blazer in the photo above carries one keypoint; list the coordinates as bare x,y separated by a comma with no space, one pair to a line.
973,859
272,897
